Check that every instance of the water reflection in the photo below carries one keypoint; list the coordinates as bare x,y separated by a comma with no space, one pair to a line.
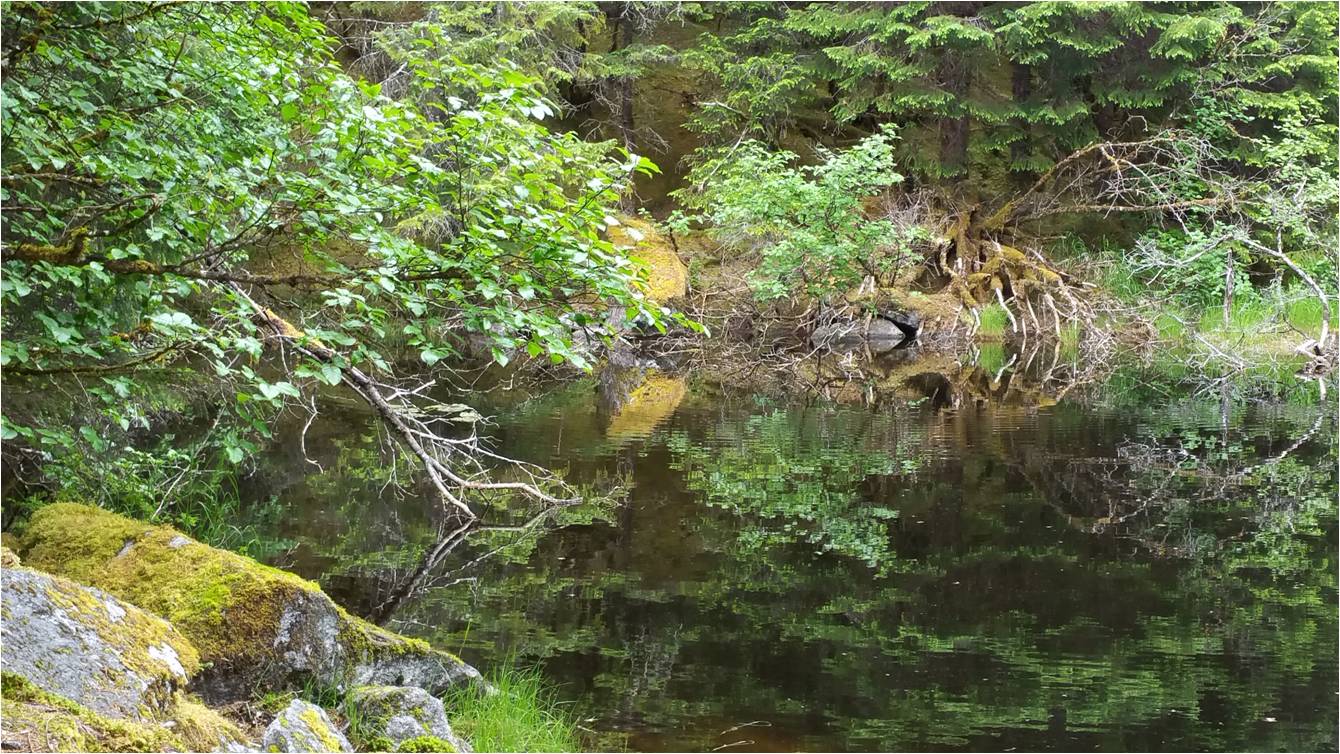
808,575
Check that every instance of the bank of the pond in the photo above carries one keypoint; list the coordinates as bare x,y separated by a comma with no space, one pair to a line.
125,636
1257,339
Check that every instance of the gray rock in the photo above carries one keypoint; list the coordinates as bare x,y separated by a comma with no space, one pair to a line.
303,726
425,668
89,647
879,334
837,335
883,330
400,713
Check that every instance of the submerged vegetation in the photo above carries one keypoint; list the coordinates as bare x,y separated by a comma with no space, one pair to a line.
267,266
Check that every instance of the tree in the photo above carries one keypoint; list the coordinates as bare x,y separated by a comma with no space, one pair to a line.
200,183
1014,113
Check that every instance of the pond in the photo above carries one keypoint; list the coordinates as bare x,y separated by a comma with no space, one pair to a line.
1122,570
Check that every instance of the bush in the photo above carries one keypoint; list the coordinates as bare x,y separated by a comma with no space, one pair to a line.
808,223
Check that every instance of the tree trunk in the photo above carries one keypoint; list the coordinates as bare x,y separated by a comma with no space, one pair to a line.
626,124
1021,87
621,101
579,95
954,77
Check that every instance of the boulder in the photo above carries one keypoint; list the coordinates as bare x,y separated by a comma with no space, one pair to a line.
303,726
882,332
91,648
667,277
401,713
36,720
257,627
882,329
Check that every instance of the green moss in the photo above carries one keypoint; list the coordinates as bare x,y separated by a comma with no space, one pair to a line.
274,702
86,534
426,743
53,723
367,709
201,728
321,729
367,637
228,605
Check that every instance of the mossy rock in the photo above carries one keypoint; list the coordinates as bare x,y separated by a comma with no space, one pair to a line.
90,647
390,716
303,726
667,277
258,627
36,720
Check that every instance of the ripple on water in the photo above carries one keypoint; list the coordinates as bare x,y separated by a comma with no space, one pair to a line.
801,575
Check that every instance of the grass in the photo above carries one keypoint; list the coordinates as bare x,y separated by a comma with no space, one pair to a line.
1260,321
523,715
1243,317
1306,314
994,320
1072,334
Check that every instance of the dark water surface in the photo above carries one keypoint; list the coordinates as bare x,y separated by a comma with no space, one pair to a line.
787,574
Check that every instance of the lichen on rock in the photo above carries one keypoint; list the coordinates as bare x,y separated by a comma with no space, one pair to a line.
91,648
257,627
397,714
303,727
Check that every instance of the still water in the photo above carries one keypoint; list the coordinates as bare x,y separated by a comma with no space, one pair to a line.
1120,571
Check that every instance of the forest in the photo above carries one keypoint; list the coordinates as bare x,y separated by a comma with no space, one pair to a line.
526,375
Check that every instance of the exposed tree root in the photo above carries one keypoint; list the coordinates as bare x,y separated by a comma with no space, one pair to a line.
1036,295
